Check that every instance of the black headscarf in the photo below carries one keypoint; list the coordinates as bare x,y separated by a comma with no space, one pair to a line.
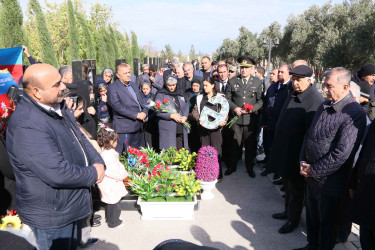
177,92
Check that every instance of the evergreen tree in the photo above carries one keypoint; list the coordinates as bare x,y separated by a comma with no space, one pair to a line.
128,51
135,48
73,34
110,49
114,42
102,55
11,20
44,36
192,54
87,45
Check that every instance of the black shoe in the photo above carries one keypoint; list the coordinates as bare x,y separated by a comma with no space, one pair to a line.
229,171
251,173
96,223
265,173
278,182
287,227
275,177
90,243
97,217
282,189
280,216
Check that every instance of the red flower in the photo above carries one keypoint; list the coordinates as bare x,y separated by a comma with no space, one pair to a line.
158,105
248,107
165,100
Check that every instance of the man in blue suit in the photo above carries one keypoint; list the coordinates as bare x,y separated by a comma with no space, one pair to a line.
128,107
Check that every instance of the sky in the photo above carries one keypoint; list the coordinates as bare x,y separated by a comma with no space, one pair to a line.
204,24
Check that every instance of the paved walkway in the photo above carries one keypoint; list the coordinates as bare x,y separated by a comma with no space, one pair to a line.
239,217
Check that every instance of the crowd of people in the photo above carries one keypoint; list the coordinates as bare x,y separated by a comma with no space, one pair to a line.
316,143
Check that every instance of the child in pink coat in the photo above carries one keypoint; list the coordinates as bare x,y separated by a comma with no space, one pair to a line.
112,188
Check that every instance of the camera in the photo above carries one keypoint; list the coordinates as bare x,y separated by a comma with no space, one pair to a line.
14,95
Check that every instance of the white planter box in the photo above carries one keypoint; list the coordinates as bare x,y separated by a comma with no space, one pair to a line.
167,210
173,168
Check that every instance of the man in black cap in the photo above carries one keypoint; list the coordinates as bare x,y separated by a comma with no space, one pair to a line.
294,120
240,90
365,77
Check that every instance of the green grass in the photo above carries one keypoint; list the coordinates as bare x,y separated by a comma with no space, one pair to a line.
171,199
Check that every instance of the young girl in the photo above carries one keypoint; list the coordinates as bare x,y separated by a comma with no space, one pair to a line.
103,109
112,188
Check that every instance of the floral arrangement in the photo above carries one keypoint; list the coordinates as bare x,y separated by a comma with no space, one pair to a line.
207,168
187,186
161,182
135,161
10,220
182,157
246,107
166,107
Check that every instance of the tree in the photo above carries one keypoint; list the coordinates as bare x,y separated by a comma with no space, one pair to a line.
87,46
192,54
73,34
44,36
11,19
181,56
168,53
135,48
102,55
128,51
249,44
114,42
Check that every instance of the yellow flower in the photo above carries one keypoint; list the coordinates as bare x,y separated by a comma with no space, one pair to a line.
11,221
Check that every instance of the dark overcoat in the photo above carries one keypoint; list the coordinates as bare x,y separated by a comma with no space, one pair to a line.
168,127
364,199
238,94
294,120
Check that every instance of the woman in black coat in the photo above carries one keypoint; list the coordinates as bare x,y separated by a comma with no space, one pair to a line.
149,137
209,137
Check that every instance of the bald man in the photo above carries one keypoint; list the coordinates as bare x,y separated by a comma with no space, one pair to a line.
54,164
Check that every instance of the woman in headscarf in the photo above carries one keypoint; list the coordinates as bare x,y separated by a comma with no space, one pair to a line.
107,75
149,137
172,133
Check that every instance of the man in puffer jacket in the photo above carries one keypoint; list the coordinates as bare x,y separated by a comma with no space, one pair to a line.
54,164
327,157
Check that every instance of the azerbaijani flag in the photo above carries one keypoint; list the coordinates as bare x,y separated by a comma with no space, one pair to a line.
11,59
10,72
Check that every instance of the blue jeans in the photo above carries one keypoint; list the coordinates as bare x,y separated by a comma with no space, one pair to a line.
63,238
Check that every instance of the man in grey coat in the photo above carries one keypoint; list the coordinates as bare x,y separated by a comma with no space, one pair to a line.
327,156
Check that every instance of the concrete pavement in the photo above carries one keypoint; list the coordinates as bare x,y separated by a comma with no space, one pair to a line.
239,217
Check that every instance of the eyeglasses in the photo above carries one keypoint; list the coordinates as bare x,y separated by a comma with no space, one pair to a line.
215,76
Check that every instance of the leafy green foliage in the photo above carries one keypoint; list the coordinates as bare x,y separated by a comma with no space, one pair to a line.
73,34
44,36
11,29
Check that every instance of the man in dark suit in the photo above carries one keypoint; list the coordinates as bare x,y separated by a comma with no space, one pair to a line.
244,89
128,107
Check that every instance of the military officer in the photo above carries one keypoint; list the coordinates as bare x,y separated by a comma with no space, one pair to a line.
240,90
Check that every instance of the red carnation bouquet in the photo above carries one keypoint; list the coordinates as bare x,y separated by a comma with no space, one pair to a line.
166,107
246,107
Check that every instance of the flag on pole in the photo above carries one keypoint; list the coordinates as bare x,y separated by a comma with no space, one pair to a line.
11,59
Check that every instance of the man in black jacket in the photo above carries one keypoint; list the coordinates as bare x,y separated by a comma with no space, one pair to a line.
294,120
53,162
327,156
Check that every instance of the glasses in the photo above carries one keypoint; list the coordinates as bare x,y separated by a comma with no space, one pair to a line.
215,76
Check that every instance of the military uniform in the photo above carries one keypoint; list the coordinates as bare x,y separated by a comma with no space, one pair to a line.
238,93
